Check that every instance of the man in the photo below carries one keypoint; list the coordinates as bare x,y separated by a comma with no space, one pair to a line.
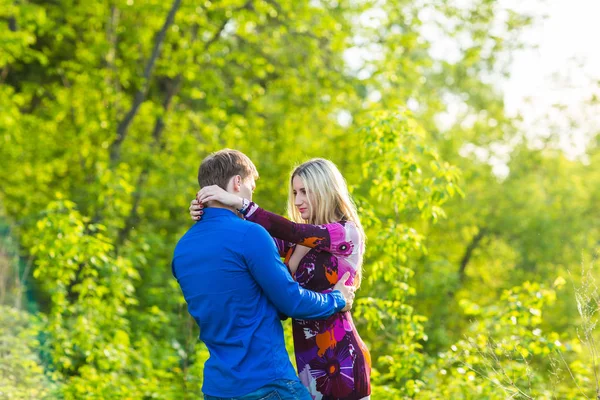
235,284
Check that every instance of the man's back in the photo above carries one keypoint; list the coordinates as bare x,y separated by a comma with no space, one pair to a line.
238,323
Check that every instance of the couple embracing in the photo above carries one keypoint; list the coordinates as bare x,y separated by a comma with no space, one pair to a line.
229,268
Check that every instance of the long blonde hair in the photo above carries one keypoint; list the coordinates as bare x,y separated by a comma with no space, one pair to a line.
328,198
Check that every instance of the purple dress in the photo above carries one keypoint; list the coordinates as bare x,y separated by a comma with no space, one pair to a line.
332,360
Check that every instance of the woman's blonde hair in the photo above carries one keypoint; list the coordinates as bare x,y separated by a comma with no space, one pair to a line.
328,198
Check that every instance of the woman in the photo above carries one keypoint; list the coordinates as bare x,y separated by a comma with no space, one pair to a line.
332,360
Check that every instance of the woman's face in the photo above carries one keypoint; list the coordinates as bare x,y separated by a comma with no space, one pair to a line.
300,198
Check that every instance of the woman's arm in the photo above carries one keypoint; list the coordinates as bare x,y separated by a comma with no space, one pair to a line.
339,238
197,209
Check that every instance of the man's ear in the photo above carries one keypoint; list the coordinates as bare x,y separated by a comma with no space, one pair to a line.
237,183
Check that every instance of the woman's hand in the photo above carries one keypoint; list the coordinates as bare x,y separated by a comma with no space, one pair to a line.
215,193
196,210
210,193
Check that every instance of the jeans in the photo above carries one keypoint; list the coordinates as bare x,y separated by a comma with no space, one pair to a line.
280,389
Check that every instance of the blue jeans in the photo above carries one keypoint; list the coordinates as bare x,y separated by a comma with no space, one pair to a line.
280,389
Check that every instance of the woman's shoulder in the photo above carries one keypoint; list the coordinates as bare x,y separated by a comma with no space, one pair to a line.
347,225
343,224
344,231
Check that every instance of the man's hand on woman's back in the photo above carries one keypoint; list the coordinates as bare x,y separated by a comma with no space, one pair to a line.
347,291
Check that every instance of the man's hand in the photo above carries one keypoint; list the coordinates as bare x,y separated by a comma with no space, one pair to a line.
347,291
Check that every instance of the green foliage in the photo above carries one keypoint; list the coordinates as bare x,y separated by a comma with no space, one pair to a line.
507,353
90,291
21,373
107,108
406,176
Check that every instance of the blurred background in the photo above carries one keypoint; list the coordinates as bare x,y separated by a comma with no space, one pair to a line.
468,131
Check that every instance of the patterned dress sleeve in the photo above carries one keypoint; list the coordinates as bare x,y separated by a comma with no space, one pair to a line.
338,238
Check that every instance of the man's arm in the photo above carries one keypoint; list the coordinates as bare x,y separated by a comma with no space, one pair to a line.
273,277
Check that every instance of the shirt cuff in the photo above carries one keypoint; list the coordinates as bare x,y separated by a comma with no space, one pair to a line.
252,207
338,299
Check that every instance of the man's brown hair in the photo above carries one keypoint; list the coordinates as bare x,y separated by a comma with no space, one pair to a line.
219,167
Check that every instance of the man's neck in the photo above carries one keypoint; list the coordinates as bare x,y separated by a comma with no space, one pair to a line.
217,204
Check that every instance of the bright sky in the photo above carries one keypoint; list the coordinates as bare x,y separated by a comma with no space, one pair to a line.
561,70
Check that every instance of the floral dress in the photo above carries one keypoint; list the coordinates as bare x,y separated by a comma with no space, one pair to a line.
332,360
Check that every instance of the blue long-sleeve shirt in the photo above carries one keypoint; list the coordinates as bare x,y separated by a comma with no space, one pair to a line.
234,283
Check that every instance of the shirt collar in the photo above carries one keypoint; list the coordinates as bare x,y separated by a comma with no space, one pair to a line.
213,212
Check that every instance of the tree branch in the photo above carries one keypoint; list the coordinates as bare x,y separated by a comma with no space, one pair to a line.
469,253
12,26
133,217
4,73
140,96
112,38
173,88
217,35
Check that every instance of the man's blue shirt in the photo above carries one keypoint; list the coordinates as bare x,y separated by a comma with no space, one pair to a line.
234,284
